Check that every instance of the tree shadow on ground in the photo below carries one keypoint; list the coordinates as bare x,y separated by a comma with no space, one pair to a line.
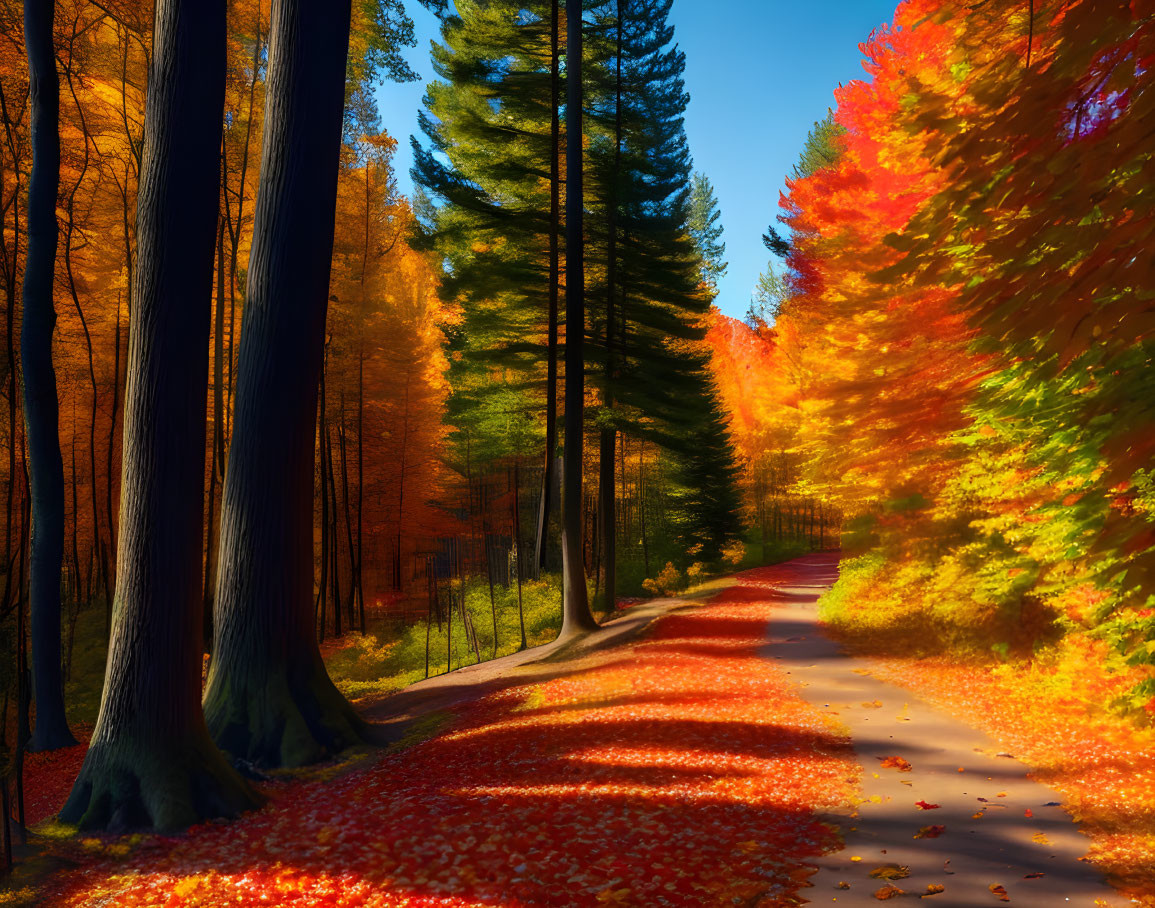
654,774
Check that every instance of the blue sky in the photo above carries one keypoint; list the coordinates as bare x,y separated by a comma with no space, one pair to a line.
759,73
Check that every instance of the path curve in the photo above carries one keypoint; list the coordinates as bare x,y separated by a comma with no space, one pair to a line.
1000,827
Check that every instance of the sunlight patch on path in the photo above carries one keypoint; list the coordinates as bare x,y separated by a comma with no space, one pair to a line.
983,831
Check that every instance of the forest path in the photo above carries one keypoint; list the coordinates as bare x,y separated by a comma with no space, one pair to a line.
1000,828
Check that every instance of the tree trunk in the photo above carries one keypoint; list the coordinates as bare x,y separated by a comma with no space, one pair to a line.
269,698
576,615
323,586
11,265
517,545
151,763
344,449
547,476
107,565
607,505
217,463
334,536
41,405
71,207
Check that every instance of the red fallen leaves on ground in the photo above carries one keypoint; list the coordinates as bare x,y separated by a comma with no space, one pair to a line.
896,763
930,832
48,777
923,805
681,770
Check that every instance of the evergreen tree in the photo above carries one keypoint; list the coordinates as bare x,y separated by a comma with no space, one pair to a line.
821,148
654,372
770,295
706,230
491,166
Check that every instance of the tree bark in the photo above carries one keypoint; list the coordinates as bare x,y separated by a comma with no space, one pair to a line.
217,461
269,698
41,404
517,546
576,615
547,476
607,505
151,763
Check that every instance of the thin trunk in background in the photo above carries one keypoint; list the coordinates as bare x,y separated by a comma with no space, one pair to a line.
547,476
607,491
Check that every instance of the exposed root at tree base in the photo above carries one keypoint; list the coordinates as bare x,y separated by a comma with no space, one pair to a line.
128,786
294,718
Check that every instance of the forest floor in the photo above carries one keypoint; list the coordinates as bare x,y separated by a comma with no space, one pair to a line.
718,752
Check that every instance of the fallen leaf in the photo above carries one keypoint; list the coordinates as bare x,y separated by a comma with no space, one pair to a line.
1027,813
1034,876
934,889
978,816
930,832
890,872
874,704
923,805
1000,891
842,885
888,892
896,763
1040,838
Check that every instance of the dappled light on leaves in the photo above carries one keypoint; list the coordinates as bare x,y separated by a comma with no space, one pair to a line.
683,770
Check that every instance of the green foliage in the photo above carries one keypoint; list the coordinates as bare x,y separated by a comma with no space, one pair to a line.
770,296
821,148
705,226
380,663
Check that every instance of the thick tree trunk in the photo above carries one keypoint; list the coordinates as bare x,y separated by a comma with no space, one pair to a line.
41,406
576,615
547,476
269,698
151,763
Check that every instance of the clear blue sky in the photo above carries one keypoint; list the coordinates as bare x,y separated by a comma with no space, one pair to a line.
759,73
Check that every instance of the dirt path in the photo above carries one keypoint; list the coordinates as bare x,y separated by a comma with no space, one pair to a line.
671,759
999,827
394,714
